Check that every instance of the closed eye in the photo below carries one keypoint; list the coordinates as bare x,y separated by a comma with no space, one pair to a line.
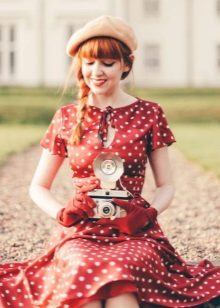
89,63
104,63
109,64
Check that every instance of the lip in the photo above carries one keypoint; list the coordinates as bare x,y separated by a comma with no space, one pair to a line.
98,82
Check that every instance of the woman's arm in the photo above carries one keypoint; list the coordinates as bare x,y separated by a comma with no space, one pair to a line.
160,165
41,183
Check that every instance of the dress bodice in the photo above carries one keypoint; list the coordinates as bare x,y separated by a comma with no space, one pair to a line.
140,127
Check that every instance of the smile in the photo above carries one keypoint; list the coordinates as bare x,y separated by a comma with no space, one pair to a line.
98,82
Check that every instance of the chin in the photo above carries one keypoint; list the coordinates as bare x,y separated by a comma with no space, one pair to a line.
99,91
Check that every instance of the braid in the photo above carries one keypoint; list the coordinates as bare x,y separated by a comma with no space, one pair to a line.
82,107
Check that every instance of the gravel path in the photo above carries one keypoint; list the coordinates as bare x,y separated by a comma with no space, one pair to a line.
192,222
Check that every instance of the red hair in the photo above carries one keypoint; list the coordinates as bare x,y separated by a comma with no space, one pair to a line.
97,48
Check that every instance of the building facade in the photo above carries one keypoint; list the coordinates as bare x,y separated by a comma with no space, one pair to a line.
179,41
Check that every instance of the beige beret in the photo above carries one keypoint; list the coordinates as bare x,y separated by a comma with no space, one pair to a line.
105,25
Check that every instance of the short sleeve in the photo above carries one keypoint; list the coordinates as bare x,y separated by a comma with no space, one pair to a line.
160,134
53,138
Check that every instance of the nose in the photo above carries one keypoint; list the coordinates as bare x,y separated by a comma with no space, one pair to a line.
97,69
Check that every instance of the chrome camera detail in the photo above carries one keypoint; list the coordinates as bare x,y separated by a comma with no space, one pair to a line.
108,167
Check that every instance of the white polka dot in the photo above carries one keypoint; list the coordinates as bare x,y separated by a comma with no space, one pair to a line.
79,294
81,278
104,271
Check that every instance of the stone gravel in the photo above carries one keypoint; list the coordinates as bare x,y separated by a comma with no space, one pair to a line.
192,221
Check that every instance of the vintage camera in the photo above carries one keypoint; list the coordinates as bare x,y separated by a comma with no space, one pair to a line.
105,207
108,167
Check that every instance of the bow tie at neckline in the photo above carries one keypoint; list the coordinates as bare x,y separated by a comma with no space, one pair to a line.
108,109
104,123
105,109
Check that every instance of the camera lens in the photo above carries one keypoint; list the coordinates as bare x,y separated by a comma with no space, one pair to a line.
106,209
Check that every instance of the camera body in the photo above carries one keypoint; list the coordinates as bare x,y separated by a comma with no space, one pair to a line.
105,207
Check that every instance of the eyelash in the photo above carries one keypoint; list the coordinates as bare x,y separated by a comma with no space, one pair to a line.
106,64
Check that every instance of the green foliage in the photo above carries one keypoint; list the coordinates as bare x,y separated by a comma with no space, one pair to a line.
200,143
27,105
37,105
186,105
15,138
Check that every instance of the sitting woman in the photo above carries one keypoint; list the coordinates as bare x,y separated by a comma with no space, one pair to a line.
94,259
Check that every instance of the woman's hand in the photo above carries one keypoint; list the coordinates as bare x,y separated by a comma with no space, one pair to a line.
139,215
81,206
78,208
87,184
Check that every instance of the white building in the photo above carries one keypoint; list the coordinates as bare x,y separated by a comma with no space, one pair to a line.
179,41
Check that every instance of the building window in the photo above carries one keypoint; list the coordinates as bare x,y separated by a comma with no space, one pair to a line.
218,7
12,62
151,7
7,51
12,54
152,57
70,29
11,33
218,57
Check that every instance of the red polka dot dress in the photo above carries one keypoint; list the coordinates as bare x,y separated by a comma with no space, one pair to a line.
90,261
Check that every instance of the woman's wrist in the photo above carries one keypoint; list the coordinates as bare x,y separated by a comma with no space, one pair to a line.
151,214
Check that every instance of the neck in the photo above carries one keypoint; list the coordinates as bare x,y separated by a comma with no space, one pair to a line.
116,99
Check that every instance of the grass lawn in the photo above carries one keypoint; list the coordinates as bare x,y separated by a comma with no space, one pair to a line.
186,105
28,106
15,138
200,143
193,114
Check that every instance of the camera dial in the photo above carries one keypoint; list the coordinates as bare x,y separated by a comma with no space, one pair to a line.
108,166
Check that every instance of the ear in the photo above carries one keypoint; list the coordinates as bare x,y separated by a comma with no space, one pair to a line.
131,56
126,67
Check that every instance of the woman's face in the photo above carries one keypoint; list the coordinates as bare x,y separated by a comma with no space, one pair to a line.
102,76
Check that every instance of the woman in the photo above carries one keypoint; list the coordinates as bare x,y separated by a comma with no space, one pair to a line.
123,261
